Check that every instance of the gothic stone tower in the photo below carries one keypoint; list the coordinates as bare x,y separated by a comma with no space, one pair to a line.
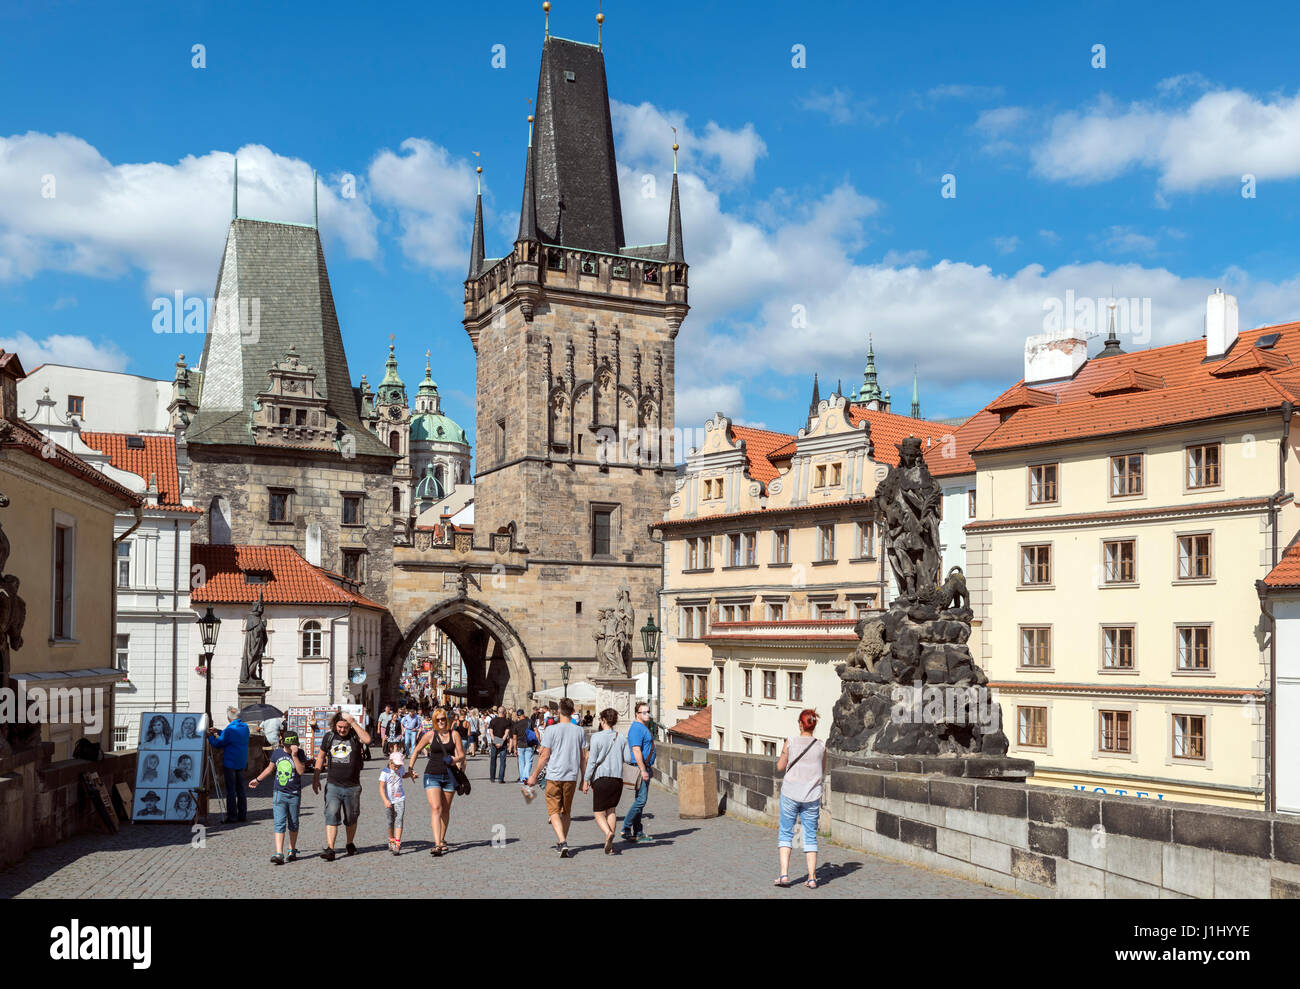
573,332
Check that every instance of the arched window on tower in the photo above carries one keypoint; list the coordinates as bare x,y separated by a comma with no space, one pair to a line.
395,441
311,639
441,475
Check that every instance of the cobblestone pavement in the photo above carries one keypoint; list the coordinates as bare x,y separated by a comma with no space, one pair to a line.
493,834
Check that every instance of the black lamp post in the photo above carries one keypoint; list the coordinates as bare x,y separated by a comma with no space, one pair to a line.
565,670
650,642
209,626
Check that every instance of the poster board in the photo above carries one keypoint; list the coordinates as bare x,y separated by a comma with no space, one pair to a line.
300,719
99,797
169,766
126,799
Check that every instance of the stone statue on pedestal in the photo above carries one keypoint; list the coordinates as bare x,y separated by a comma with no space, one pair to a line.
250,664
613,635
13,614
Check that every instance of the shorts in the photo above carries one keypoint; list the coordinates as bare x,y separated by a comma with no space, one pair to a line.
342,804
443,781
559,796
395,812
284,808
605,793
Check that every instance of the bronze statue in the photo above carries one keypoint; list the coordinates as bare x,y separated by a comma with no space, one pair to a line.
250,665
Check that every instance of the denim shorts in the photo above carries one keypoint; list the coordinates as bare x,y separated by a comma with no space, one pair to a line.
809,810
342,804
284,808
444,781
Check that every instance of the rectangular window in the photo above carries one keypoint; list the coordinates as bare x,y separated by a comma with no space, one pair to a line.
353,567
1203,465
501,440
837,473
751,548
825,542
1114,731
123,653
722,680
76,405
1194,647
124,564
970,503
866,540
781,546
769,685
713,489
692,556
1031,726
1119,561
776,611
749,745
1036,646
820,482
1126,472
1036,565
769,748
706,552
285,416
796,686
1117,647
600,531
749,684
64,580
1189,736
351,509
281,505
687,626
1194,562
733,550
1042,484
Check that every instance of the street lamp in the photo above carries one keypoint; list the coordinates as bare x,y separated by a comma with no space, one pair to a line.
209,626
650,642
358,673
565,670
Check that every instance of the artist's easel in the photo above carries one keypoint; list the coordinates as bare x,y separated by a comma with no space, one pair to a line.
211,787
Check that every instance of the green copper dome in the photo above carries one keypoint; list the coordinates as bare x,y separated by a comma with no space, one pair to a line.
391,389
429,487
437,428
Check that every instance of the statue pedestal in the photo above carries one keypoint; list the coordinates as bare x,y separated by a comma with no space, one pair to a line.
616,692
252,692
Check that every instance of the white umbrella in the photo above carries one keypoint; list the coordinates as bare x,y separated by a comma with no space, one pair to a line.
580,693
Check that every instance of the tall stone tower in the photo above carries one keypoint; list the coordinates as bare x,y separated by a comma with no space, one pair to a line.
574,335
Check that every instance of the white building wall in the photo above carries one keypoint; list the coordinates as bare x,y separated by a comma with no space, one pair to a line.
956,513
114,402
1287,765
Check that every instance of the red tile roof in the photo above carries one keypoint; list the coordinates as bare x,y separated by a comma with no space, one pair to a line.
950,458
888,429
18,435
1127,381
1287,571
290,578
759,446
698,725
1248,380
157,459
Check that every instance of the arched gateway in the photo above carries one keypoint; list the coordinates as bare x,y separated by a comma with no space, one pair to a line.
496,659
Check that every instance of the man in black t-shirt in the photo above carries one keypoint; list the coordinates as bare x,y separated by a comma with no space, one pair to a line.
498,744
520,746
344,745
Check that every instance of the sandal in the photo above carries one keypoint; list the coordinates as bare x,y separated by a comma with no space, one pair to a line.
811,883
783,881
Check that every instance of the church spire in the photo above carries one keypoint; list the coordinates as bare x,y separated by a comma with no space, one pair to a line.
528,210
676,253
870,390
476,244
1112,348
916,396
816,400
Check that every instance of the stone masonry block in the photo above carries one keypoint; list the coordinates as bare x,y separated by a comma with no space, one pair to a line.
1006,799
952,793
1134,858
1079,882
1136,817
953,844
1237,832
990,854
1034,868
1049,840
1188,870
916,833
1240,877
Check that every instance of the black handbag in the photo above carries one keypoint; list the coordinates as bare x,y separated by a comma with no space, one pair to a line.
462,781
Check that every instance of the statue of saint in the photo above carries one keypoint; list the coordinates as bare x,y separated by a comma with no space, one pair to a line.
250,665
613,635
910,500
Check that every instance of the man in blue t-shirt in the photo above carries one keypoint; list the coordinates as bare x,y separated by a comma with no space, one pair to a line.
642,744
233,739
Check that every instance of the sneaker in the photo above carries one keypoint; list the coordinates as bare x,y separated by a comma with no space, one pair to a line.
293,855
644,839
327,854
277,859
397,848
563,849
627,836
352,849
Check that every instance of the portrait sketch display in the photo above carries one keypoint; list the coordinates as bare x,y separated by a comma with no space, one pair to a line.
169,766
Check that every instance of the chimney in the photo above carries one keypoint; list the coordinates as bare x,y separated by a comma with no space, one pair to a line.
1220,323
1058,354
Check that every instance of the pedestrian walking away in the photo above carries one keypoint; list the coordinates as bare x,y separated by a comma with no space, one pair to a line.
288,766
498,742
445,748
640,753
522,740
344,745
802,760
233,741
604,775
394,796
564,759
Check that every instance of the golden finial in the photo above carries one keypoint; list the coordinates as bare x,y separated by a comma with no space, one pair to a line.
600,20
479,170
546,9
675,150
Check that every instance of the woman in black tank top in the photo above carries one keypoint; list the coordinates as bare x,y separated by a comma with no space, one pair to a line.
443,741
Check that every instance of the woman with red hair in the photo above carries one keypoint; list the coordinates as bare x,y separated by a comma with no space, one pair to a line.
802,761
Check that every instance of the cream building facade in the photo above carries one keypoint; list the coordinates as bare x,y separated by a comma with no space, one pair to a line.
1123,515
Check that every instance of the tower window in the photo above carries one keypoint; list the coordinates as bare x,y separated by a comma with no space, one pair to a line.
602,519
284,416
501,440
570,76
395,441
300,417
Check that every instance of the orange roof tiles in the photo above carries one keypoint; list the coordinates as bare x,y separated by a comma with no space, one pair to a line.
1129,380
888,429
157,459
698,725
1021,397
759,444
18,435
290,578
1192,391
947,459
1287,571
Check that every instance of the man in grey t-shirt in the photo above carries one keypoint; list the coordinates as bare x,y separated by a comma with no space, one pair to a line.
564,751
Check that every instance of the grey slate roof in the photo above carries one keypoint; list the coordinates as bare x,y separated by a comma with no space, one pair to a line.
573,145
281,268
676,253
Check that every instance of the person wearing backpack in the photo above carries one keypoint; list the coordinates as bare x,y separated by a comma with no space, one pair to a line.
802,762
604,775
522,740
640,753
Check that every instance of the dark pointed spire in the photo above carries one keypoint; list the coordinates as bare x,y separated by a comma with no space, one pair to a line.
1112,348
676,253
528,210
476,244
816,397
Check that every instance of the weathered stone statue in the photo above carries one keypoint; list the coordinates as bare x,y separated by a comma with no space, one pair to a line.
911,686
250,664
614,630
13,614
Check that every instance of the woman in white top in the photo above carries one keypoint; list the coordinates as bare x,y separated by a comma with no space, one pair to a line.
802,760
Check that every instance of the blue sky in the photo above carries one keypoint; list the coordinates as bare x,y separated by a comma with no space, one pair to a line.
812,201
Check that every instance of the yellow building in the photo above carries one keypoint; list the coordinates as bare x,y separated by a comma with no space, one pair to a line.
771,554
60,545
1124,511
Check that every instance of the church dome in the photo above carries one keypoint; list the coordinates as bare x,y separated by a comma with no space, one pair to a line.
429,487
437,428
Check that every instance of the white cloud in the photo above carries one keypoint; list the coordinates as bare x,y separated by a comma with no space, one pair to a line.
963,91
59,348
645,135
432,195
1219,137
998,121
1126,240
1006,245
68,208
697,403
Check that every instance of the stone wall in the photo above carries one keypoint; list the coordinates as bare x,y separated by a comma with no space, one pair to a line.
1037,840
44,802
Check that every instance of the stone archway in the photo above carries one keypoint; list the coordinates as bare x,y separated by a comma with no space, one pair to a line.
500,671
